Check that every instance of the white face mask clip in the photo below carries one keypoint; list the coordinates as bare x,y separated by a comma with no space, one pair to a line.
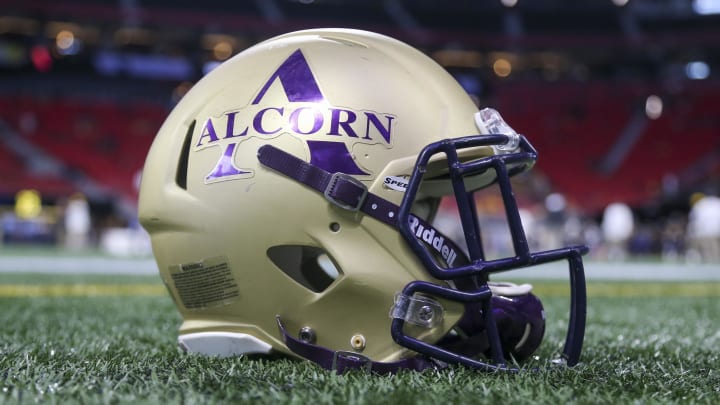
418,310
489,121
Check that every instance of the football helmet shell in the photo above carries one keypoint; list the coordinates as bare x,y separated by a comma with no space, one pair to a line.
259,255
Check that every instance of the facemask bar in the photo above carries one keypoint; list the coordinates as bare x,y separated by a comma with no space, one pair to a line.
505,166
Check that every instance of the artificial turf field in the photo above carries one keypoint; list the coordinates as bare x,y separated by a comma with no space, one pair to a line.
89,338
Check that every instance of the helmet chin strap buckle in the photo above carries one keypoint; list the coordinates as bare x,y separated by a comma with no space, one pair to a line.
345,191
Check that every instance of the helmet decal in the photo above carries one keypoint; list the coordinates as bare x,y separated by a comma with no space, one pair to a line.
297,79
225,169
397,183
328,131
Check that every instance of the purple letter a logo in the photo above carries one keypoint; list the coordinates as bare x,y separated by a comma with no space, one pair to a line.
300,85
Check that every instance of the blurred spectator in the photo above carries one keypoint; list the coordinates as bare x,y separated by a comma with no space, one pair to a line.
592,236
673,237
573,230
704,228
644,241
617,228
553,232
77,222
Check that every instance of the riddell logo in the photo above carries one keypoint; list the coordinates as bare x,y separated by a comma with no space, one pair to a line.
433,239
329,131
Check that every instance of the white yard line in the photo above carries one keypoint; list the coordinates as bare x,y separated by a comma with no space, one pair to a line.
97,265
656,271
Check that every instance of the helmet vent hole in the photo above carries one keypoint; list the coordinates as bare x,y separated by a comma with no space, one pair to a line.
309,266
182,167
335,227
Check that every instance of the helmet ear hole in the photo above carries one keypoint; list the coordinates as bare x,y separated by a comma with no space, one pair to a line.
309,266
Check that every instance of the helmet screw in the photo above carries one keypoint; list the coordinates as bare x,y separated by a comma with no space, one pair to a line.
358,342
425,313
307,334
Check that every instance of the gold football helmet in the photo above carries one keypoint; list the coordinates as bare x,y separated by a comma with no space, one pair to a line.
290,196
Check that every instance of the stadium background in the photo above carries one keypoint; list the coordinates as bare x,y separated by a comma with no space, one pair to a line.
620,98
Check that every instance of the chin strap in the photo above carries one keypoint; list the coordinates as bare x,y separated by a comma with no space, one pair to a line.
339,189
343,361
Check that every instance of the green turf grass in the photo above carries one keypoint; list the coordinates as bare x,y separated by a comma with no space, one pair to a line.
121,348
